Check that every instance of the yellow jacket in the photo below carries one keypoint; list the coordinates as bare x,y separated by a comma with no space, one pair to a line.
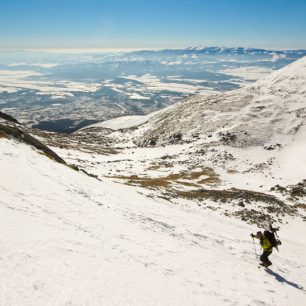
266,244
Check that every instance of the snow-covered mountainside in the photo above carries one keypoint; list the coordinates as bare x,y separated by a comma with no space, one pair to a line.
251,139
162,211
256,115
290,80
69,239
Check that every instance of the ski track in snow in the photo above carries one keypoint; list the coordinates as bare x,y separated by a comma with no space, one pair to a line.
68,239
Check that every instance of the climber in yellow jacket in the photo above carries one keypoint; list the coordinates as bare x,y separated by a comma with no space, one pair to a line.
267,248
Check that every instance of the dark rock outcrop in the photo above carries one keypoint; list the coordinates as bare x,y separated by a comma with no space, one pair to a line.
25,137
8,117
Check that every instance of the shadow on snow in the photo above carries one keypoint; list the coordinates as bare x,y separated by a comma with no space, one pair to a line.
281,279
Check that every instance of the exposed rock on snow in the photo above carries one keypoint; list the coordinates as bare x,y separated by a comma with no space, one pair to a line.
8,117
22,135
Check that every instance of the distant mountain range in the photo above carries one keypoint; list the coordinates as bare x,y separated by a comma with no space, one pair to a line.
66,92
225,51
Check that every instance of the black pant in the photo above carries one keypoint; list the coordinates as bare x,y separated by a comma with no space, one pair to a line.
264,258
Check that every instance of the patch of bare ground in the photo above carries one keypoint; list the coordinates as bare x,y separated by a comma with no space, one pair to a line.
261,166
302,206
189,179
295,192
151,183
271,208
252,216
238,203
158,166
231,194
232,171
3,135
90,143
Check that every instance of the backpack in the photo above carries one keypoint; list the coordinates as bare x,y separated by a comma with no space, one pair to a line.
271,237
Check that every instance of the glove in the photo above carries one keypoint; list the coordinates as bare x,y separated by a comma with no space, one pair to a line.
278,242
252,235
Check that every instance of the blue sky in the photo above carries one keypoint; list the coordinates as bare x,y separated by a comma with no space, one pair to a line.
278,24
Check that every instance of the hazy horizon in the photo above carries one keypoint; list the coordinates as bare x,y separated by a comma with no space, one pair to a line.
122,49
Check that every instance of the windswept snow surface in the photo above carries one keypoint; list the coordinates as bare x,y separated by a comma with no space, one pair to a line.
69,239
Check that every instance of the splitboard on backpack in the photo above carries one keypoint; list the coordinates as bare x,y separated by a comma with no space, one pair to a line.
270,234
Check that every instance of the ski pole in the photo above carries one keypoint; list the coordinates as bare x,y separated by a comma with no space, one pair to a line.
255,248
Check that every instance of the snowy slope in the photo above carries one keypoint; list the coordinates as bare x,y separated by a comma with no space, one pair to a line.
270,111
253,138
211,145
68,239
289,80
270,108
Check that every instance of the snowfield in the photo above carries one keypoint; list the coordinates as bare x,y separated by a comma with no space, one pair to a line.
68,239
